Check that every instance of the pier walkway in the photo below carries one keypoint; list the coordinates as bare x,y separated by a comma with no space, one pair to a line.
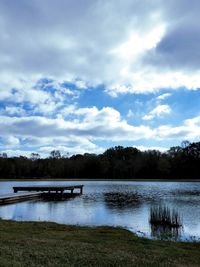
13,198
49,188
35,192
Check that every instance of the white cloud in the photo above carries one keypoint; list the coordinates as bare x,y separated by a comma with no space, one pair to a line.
10,141
26,94
89,122
163,96
161,109
70,109
69,151
47,107
148,117
127,46
149,79
14,110
130,114
88,126
158,111
17,152
146,148
189,130
139,43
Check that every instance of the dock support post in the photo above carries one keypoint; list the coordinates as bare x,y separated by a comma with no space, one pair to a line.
81,190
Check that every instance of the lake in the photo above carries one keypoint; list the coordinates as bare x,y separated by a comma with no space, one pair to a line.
114,203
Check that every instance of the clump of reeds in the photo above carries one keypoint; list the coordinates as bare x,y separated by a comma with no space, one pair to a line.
122,199
164,216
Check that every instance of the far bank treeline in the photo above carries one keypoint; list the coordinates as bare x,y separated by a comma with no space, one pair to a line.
180,162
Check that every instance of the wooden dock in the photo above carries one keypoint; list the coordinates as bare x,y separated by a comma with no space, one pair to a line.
13,198
43,192
48,189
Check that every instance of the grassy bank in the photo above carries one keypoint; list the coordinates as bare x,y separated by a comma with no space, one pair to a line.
50,244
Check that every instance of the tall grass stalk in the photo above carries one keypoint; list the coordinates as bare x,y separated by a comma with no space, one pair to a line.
164,216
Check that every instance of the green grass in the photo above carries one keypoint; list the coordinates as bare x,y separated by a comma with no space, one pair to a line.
49,244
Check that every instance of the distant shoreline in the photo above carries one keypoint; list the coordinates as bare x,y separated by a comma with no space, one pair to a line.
103,180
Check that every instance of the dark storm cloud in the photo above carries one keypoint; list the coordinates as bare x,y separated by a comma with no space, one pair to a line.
179,48
58,37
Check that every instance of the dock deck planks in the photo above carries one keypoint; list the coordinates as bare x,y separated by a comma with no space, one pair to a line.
34,192
13,198
48,188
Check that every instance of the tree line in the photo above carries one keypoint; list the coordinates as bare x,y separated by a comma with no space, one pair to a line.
179,162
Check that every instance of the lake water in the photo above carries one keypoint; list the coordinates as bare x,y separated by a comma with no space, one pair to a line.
115,203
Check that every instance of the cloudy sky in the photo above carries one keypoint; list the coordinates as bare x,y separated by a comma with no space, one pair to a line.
81,76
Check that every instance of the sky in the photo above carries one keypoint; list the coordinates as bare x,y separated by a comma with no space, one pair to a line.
86,75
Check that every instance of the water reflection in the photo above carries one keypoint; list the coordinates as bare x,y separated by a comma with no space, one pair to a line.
166,222
166,232
115,203
122,200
